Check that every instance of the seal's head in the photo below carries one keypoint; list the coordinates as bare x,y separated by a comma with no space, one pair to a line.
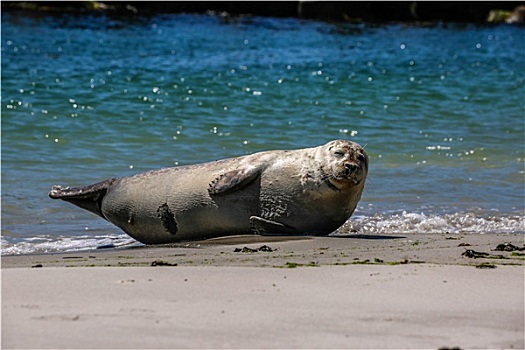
346,163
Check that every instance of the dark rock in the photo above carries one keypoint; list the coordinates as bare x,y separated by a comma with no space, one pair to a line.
507,247
162,263
469,253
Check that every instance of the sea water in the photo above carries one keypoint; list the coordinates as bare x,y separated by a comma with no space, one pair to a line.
439,108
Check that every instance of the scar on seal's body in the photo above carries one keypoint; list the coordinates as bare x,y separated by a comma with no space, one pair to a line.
167,218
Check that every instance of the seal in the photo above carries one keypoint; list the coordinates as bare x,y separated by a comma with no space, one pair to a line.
284,192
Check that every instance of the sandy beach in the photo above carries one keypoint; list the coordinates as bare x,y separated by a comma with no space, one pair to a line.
416,291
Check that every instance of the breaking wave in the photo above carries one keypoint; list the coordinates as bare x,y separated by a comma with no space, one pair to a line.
49,244
422,223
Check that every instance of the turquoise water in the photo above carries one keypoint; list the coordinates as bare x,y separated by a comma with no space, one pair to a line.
440,110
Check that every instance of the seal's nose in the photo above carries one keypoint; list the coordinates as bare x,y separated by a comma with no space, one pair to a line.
350,167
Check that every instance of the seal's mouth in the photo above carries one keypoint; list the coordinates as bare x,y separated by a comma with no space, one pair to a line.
344,179
352,180
337,185
349,172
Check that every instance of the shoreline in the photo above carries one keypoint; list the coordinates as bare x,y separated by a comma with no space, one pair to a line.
405,291
445,248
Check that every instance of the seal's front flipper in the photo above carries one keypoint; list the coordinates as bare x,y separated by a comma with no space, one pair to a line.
88,197
233,180
261,226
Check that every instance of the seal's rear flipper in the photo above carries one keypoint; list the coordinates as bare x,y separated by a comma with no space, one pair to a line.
261,226
88,197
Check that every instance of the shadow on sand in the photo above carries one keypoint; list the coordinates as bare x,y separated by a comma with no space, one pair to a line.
360,236
252,239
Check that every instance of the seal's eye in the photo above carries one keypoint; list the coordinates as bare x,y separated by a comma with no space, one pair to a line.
361,158
339,153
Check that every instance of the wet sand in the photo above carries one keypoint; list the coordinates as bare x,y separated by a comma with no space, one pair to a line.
407,291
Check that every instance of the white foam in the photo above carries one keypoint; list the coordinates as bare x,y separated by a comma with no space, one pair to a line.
422,223
64,244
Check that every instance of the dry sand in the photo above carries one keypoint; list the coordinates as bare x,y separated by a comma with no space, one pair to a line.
417,291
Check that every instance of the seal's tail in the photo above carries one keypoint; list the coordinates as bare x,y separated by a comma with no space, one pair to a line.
87,197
